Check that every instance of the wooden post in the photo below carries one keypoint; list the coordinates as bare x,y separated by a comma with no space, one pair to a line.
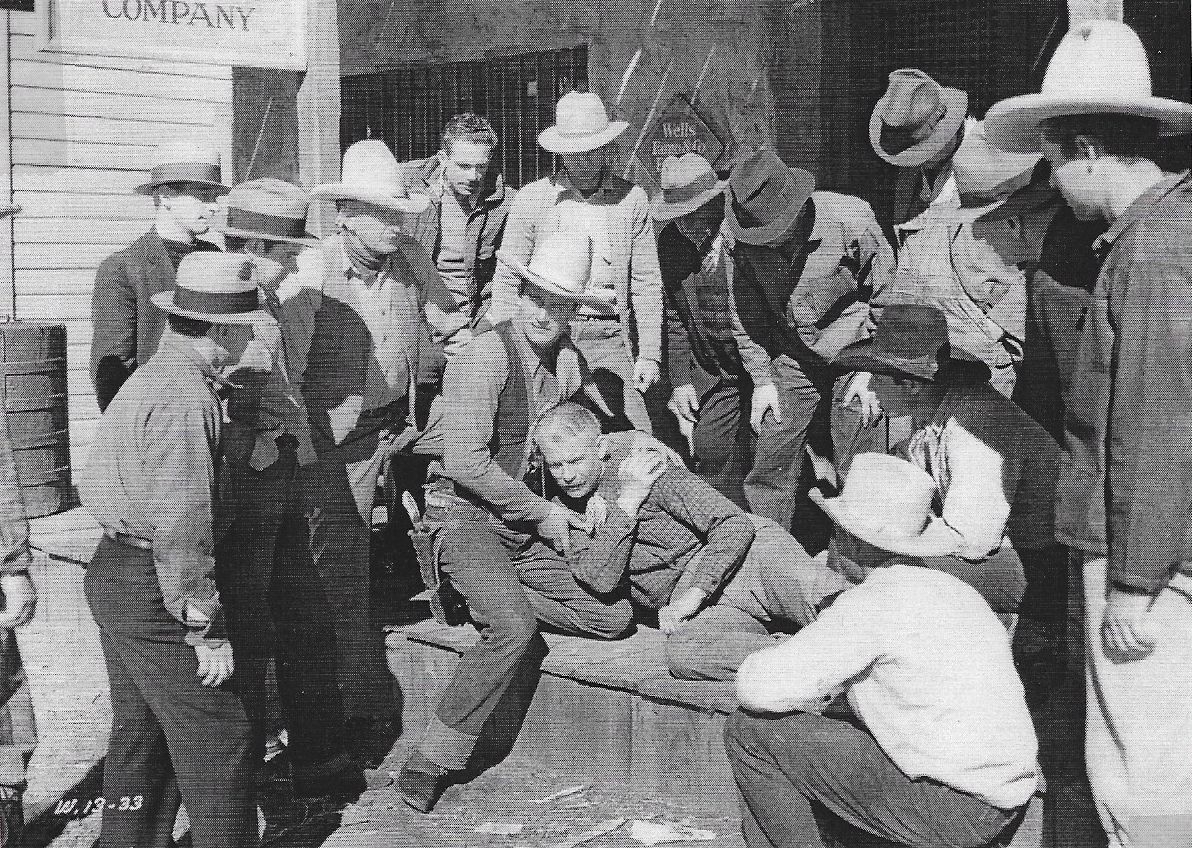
318,108
8,285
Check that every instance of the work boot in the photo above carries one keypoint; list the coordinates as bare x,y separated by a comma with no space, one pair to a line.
421,782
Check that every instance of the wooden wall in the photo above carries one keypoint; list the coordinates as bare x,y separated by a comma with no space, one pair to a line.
81,132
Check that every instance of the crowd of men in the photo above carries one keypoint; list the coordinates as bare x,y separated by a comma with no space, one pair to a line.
255,396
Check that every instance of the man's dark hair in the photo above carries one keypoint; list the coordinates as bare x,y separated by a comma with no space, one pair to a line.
190,327
471,126
1127,137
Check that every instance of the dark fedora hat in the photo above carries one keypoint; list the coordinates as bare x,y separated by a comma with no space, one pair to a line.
915,119
765,197
910,340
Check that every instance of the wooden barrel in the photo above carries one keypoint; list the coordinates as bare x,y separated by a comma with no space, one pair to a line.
33,395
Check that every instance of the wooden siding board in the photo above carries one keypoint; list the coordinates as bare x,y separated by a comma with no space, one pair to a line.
111,80
70,204
96,130
81,180
87,104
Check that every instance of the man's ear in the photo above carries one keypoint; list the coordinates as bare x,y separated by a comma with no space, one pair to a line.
604,446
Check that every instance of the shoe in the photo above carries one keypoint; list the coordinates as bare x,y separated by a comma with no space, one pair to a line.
12,816
341,788
421,783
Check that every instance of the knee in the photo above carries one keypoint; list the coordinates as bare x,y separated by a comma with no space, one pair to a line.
514,630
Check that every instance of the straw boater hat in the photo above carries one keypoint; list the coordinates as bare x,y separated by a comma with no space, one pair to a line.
765,197
269,209
915,119
221,288
887,502
371,174
688,182
561,265
1099,67
581,124
184,161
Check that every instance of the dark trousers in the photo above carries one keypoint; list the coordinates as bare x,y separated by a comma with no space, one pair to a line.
170,734
276,607
723,439
791,768
506,602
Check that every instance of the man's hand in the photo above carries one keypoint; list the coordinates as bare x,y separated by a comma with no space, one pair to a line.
645,374
684,403
215,664
1125,631
257,355
555,529
638,473
680,609
20,600
765,399
866,401
596,513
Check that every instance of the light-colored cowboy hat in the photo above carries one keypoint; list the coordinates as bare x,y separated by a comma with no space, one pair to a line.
371,174
887,502
220,288
184,161
269,209
561,265
986,176
581,124
1099,67
915,119
688,182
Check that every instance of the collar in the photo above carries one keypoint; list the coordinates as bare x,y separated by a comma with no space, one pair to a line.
349,270
1138,210
175,350
562,181
431,181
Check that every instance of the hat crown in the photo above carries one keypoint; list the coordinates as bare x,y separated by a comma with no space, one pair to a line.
270,196
764,188
910,331
564,258
985,171
1099,56
580,113
213,273
888,493
688,170
370,166
912,100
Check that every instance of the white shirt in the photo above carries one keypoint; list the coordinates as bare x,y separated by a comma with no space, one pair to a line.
927,668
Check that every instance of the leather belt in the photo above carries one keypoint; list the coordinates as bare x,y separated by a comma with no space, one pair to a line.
125,539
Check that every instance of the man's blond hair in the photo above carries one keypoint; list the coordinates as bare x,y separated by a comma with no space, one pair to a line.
568,420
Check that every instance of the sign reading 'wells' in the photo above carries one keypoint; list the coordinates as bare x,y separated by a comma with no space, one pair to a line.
250,33
678,129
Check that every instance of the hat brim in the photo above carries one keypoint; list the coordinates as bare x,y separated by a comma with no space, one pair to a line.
1013,124
955,111
165,302
937,538
550,139
780,229
660,210
305,241
149,188
415,204
863,356
545,284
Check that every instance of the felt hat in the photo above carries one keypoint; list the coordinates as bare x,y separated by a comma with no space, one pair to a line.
915,119
581,124
765,197
887,502
561,265
371,174
269,209
184,161
911,340
221,288
688,182
1099,67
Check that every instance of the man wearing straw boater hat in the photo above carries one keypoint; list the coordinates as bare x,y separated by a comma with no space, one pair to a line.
361,386
184,183
621,339
708,378
1124,490
913,650
150,483
488,528
275,603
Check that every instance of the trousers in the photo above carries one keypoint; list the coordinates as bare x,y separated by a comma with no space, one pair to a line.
1138,731
12,699
508,589
277,607
723,440
171,736
792,769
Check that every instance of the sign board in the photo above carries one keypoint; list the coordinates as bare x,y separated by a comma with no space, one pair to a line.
249,33
677,130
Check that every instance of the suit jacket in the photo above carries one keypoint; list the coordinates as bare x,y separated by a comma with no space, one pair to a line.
126,326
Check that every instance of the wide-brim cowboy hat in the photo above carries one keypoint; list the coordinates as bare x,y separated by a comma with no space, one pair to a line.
371,174
1100,67
936,539
581,124
952,103
688,182
765,197
411,204
220,288
585,297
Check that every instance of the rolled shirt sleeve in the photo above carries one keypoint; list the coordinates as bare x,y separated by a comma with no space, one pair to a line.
645,278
